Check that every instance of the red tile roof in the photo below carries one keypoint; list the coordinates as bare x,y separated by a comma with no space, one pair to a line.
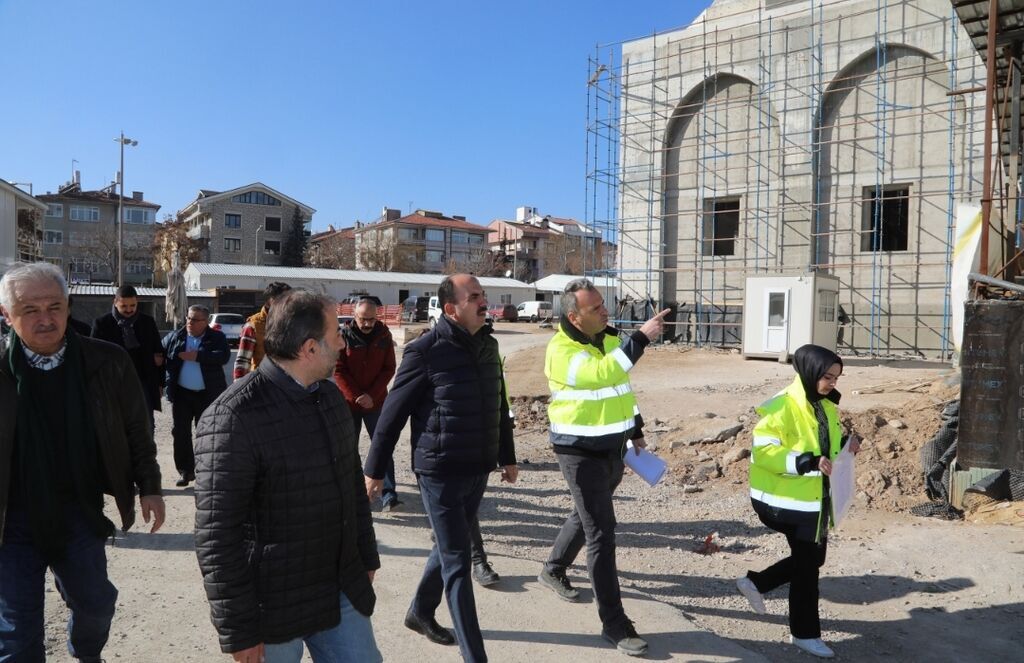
435,222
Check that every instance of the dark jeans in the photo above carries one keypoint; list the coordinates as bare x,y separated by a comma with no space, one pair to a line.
369,420
81,579
592,481
451,503
186,409
800,570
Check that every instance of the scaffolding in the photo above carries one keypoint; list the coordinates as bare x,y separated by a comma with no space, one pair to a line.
829,136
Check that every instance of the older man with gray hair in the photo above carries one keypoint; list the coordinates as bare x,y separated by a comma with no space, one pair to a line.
73,426
196,355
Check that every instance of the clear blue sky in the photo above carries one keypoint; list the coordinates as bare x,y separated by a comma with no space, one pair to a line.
470,107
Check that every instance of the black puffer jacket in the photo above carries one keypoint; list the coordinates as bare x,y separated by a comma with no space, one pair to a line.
451,385
282,519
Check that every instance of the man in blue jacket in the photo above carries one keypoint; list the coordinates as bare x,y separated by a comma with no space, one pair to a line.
195,362
450,384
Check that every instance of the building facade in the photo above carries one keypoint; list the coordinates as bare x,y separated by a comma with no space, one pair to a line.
21,233
781,137
425,241
80,234
244,226
534,246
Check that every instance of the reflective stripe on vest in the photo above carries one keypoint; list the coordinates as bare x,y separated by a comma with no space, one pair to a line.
592,431
785,502
591,394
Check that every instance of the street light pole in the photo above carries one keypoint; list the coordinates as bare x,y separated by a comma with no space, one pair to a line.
258,229
120,210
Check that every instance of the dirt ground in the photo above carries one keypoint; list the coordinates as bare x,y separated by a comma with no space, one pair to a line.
895,586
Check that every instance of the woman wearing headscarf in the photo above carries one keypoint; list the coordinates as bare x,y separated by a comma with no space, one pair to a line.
794,444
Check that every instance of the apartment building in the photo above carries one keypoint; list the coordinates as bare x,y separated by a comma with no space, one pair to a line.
20,227
332,249
426,242
80,233
244,226
534,246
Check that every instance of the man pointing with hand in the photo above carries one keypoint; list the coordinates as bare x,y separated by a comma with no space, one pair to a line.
592,414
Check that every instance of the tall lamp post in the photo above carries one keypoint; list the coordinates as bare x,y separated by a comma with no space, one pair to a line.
120,211
258,230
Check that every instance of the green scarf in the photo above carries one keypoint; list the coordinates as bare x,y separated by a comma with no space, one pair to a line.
38,453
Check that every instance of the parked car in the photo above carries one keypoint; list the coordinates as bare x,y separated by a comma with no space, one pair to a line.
504,312
230,324
414,309
434,314
345,320
534,311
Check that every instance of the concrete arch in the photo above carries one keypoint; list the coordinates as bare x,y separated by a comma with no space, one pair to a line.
722,140
884,120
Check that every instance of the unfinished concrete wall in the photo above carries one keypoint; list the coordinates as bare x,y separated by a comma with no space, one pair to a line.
803,113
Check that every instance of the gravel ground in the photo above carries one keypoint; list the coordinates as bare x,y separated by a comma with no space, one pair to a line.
895,587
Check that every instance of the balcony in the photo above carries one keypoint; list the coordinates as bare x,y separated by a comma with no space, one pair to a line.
201,231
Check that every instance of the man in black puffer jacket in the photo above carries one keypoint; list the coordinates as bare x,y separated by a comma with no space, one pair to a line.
283,529
450,383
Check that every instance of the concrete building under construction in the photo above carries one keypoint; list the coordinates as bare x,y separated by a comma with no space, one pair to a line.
786,137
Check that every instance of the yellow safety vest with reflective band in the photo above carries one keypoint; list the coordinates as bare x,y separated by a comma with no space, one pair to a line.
788,429
592,405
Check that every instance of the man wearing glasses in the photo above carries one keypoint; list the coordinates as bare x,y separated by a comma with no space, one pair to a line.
196,356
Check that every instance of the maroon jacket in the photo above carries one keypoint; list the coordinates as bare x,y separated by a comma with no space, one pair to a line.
365,366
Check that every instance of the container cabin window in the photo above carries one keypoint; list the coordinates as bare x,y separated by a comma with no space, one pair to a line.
826,306
721,226
886,226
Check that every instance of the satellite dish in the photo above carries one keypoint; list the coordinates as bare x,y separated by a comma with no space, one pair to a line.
508,273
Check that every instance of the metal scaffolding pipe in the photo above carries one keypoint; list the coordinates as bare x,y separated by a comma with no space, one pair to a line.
990,93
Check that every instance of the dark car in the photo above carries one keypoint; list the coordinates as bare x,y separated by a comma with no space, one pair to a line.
414,309
505,313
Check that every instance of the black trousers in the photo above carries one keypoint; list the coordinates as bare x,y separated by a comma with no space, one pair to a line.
592,481
186,409
451,503
800,570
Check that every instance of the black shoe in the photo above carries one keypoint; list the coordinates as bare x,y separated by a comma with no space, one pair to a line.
186,478
430,628
391,505
626,639
560,585
485,575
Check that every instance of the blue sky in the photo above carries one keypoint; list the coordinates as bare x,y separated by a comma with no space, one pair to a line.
465,107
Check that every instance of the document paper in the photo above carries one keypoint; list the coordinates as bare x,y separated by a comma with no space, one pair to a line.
842,484
649,467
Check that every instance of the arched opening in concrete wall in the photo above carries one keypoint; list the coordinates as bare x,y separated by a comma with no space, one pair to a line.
888,142
720,216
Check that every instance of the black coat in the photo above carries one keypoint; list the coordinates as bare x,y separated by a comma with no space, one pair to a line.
213,354
282,519
118,413
150,375
451,385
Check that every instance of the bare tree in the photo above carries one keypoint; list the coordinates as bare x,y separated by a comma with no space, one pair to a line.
381,252
333,252
563,254
172,237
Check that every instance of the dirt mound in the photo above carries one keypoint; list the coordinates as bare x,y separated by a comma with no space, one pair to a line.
704,450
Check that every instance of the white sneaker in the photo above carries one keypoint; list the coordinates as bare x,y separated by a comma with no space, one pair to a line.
813,646
749,590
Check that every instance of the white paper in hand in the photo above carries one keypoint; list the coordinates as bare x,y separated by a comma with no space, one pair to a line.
649,467
842,484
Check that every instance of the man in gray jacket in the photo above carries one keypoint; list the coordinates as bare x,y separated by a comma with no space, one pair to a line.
283,529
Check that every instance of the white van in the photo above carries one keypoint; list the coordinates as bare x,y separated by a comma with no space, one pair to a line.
434,314
534,311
